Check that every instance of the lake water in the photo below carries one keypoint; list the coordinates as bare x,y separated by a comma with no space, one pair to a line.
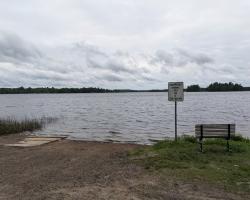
128,117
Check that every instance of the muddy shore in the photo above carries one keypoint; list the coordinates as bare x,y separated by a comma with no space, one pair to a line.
88,170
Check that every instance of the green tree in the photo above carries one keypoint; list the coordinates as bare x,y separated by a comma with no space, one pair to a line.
216,87
193,88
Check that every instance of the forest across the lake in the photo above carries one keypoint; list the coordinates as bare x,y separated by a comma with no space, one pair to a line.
213,87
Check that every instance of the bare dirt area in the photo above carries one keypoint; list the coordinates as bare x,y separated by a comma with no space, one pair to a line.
88,170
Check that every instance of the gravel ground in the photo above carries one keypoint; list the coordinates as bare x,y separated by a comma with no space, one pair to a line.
88,170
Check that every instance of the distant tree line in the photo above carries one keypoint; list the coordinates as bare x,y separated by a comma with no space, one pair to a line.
47,90
218,87
214,87
22,90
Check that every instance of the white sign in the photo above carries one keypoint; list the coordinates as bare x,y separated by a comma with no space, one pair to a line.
175,91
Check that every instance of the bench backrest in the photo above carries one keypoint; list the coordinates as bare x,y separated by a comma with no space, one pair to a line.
214,130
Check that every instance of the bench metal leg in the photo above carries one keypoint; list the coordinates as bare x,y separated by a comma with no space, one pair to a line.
229,136
201,137
201,146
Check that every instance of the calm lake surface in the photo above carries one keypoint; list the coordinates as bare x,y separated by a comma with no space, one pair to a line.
128,117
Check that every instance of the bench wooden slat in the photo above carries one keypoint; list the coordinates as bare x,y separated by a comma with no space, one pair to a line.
213,130
219,129
222,126
213,127
213,136
214,133
216,130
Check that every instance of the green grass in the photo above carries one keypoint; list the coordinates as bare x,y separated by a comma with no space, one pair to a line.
10,125
215,165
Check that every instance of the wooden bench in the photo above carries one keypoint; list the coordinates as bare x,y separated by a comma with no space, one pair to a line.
225,131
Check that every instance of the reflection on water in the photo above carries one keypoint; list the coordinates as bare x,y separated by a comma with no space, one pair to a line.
128,117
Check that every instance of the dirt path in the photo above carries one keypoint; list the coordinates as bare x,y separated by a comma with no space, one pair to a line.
86,170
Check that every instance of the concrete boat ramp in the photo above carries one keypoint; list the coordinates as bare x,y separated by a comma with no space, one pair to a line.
32,141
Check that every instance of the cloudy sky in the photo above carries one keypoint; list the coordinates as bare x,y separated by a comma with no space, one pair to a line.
136,44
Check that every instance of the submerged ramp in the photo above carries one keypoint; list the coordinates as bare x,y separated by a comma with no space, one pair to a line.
32,141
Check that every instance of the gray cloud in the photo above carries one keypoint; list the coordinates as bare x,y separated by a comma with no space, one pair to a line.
150,79
115,63
179,58
64,64
123,44
82,63
199,58
163,57
14,49
117,67
111,77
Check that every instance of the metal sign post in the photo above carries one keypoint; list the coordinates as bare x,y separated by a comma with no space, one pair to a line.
175,121
175,93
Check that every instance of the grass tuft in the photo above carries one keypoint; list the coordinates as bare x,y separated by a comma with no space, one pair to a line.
11,125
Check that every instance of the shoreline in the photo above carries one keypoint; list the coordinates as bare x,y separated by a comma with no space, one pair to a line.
94,93
15,137
68,169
